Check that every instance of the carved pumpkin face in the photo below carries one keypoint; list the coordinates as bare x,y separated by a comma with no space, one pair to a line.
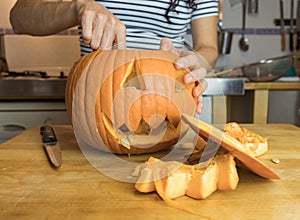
128,101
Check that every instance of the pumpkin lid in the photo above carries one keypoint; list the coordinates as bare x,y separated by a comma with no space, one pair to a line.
232,145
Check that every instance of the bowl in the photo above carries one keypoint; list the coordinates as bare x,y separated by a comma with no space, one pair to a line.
269,69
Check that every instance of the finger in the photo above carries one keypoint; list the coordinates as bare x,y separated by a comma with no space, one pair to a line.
87,26
109,35
187,59
199,89
199,105
120,41
192,60
203,83
167,45
194,75
97,34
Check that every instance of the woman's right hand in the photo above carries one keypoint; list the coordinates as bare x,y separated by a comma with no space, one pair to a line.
100,28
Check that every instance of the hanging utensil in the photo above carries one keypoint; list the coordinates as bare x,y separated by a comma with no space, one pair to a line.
3,61
292,31
282,28
298,25
224,37
244,43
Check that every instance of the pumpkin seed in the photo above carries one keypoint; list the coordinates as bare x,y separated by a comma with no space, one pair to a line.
275,160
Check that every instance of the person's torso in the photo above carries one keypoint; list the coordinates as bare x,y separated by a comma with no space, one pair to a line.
146,23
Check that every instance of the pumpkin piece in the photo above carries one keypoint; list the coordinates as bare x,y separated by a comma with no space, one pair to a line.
204,182
145,182
232,145
121,100
228,177
253,143
177,179
176,183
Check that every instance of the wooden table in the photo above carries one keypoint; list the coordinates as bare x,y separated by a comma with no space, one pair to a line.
31,189
261,96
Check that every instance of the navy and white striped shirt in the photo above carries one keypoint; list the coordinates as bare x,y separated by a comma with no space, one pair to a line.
146,24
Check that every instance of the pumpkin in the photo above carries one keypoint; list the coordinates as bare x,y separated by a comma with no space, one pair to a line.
128,101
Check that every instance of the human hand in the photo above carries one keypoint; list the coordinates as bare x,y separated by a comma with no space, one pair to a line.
100,28
195,63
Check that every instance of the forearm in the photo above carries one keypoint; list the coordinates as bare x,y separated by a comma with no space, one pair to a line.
210,55
42,17
204,33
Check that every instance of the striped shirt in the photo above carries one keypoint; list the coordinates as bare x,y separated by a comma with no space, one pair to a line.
146,24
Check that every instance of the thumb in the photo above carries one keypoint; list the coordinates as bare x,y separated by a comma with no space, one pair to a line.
166,44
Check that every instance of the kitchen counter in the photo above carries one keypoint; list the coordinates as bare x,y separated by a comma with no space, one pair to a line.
30,88
31,189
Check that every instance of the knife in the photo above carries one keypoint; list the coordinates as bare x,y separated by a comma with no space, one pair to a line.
51,145
282,29
298,25
292,26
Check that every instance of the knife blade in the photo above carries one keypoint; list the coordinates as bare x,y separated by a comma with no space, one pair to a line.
51,145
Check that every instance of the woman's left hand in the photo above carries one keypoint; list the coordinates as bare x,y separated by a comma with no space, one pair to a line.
195,63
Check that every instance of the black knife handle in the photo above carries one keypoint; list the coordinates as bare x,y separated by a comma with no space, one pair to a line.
48,134
291,41
298,41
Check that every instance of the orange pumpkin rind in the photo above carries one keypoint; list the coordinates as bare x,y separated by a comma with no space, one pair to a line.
116,70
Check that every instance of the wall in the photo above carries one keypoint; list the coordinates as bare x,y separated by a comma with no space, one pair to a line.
263,35
61,50
52,53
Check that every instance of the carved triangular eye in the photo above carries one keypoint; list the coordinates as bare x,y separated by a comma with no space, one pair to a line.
133,77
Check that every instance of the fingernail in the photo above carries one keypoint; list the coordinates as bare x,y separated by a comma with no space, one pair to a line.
198,91
178,65
199,110
188,79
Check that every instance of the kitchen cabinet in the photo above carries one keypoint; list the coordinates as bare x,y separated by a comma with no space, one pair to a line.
18,116
30,98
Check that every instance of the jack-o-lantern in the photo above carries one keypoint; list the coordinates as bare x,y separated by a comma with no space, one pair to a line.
128,101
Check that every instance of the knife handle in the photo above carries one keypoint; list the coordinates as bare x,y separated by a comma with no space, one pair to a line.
298,41
282,41
291,41
48,134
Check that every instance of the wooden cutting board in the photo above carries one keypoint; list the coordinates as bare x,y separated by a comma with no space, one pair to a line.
31,189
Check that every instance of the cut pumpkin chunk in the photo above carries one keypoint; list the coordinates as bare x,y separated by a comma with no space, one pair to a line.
228,177
179,179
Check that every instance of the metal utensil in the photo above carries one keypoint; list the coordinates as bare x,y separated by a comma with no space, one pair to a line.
292,31
244,43
268,69
51,145
282,29
3,61
298,25
224,37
